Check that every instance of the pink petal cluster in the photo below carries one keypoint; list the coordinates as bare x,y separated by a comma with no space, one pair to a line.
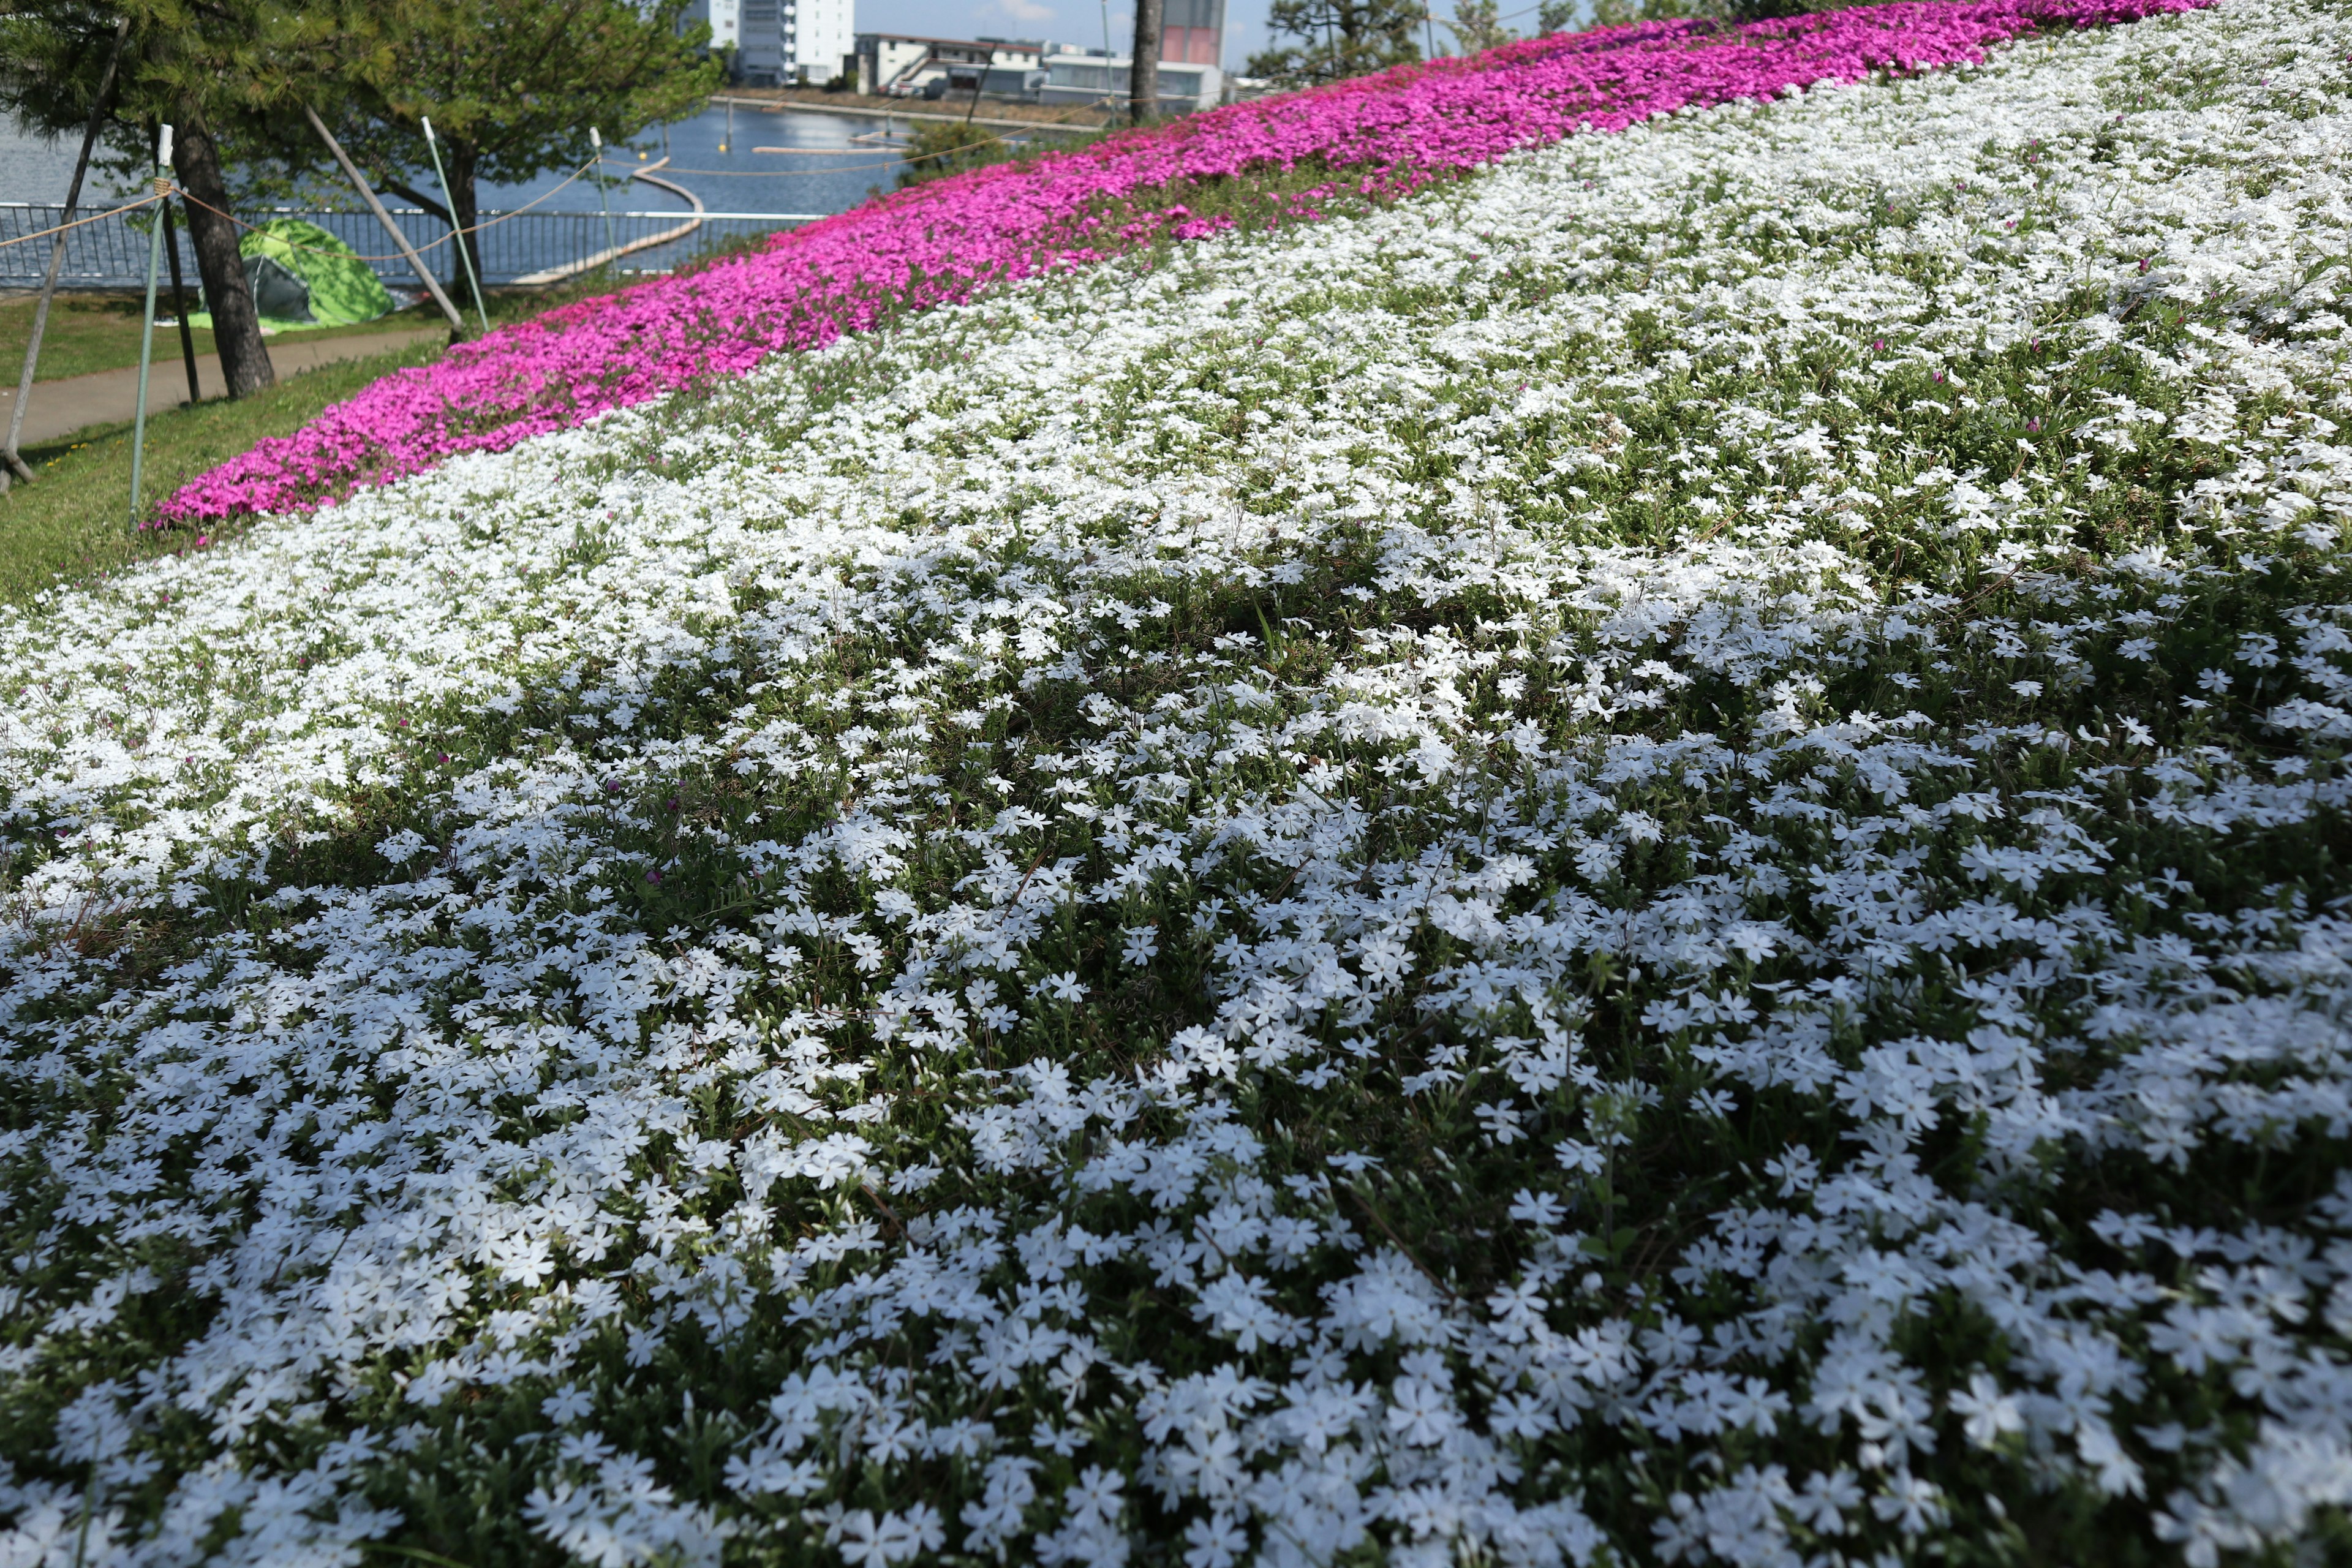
948,240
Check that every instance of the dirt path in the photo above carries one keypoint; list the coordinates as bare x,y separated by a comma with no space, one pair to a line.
110,397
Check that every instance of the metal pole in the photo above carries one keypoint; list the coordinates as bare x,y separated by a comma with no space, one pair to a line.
179,307
98,108
1107,92
456,237
611,251
351,173
147,324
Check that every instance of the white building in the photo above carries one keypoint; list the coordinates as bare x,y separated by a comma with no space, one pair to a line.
726,20
1075,76
1192,60
900,65
782,41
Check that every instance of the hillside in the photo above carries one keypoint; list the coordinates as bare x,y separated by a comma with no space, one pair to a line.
1628,850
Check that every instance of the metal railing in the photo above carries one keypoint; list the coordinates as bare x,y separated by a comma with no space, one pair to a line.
112,254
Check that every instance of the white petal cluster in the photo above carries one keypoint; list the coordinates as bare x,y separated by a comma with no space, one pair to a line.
1641,860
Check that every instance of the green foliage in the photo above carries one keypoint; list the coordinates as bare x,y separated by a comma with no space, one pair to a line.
245,66
1338,38
512,89
947,147
1477,26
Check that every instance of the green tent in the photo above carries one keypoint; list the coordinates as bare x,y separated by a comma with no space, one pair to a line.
304,277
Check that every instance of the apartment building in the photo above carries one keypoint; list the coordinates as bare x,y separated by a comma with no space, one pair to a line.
779,42
1191,51
1077,76
898,65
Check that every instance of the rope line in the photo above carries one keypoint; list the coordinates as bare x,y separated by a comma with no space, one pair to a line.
165,188
309,249
94,218
430,244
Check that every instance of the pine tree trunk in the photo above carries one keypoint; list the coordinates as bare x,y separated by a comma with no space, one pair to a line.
236,326
1143,76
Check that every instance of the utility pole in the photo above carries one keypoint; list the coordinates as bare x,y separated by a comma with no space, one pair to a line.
1143,75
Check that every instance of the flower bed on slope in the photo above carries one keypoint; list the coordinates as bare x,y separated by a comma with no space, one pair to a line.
1643,861
1389,135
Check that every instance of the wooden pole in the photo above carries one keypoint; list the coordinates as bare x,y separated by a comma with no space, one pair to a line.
179,307
97,109
351,173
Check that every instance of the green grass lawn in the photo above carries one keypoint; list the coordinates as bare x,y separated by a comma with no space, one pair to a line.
73,521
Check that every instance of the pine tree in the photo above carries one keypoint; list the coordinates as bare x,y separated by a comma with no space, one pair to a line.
1476,27
1338,38
511,87
221,72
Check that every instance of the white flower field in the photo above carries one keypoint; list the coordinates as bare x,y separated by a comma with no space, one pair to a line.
1643,861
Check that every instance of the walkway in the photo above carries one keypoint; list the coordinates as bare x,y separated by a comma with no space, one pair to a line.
111,396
